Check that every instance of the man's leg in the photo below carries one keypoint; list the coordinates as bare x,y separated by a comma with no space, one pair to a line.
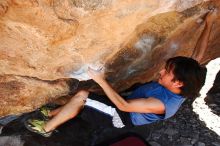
55,111
68,111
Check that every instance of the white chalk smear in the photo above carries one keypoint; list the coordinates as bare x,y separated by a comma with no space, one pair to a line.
145,43
82,74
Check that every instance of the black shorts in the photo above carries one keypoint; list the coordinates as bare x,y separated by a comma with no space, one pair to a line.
98,116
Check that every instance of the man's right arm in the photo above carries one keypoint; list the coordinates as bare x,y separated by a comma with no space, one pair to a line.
140,105
202,43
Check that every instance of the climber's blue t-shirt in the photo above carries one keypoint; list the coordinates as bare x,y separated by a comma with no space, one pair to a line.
171,101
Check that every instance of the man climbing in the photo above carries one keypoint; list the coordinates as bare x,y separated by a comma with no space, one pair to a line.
181,78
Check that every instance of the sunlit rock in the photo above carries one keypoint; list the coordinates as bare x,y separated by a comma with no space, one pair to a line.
45,40
22,94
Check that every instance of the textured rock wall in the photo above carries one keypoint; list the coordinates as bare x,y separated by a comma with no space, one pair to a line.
21,94
44,41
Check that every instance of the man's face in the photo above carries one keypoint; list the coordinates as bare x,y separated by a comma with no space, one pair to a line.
166,78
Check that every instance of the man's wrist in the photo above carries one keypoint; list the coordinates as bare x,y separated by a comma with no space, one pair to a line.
101,81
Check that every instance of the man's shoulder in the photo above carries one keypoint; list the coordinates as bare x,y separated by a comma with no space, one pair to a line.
152,83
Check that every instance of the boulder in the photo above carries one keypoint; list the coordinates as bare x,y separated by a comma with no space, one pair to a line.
45,45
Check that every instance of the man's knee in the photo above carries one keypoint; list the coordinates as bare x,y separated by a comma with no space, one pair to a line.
80,97
83,93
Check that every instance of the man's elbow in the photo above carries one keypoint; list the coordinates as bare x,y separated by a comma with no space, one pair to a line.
125,107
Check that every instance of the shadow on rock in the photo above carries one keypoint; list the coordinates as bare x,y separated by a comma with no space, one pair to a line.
185,128
213,96
75,132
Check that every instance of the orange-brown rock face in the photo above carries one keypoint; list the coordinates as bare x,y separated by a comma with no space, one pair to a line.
44,40
21,94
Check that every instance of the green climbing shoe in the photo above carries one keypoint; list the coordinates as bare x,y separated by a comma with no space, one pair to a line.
44,111
36,126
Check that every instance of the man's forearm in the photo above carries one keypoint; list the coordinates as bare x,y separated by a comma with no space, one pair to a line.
113,95
202,44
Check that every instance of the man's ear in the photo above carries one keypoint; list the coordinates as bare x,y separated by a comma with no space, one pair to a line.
178,84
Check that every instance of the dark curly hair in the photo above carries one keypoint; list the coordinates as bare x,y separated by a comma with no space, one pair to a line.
188,71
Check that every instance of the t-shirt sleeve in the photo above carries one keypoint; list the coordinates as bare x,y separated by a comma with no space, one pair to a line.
172,106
